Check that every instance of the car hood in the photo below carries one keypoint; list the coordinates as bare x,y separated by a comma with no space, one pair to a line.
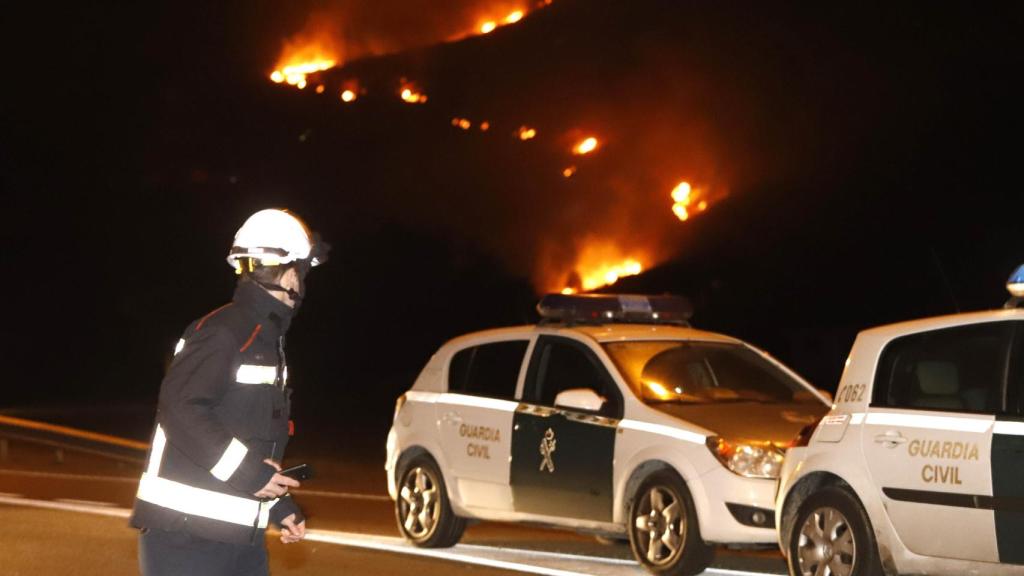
749,421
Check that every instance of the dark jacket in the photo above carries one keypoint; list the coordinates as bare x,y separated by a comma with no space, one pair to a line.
223,408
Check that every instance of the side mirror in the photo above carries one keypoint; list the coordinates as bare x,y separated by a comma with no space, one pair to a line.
580,399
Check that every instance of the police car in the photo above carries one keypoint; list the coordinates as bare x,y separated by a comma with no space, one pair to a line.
611,416
919,466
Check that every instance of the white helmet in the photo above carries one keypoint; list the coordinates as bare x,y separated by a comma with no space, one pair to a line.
272,237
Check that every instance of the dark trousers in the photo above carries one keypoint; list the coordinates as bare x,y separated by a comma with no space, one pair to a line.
164,553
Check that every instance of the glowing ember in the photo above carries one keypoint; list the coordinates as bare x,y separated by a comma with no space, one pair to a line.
488,27
485,126
586,146
412,96
463,123
568,291
295,74
514,17
320,88
526,133
568,172
348,96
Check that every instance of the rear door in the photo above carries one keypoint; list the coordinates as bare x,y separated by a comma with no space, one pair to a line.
1008,461
475,420
562,458
928,437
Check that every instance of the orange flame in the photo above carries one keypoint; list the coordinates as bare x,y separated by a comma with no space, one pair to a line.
601,264
295,74
348,95
526,133
585,146
411,95
683,196
490,25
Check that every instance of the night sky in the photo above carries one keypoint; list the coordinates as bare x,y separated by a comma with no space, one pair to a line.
864,161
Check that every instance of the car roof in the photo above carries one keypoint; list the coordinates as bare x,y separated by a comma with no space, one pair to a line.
600,333
948,321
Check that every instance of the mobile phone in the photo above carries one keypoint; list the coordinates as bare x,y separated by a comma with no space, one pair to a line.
298,472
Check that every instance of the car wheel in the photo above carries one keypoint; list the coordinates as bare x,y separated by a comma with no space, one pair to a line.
832,536
424,515
663,530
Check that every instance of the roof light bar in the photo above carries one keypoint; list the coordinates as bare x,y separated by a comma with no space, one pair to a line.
1015,286
610,308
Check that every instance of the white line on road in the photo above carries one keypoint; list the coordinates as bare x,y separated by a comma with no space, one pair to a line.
66,506
84,502
527,561
347,495
135,480
68,476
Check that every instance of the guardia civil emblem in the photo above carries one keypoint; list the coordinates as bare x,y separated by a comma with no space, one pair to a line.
547,447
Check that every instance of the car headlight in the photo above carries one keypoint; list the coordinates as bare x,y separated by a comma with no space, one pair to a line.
749,459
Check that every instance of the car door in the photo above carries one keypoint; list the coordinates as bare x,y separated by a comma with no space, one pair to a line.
1008,461
927,437
475,420
562,457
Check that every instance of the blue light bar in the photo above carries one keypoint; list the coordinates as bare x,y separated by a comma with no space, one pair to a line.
610,308
1015,286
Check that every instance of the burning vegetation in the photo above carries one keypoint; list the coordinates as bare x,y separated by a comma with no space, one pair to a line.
592,259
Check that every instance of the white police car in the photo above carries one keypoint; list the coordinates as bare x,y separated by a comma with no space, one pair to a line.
612,417
919,467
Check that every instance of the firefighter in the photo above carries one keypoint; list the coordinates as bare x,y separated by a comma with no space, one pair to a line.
211,482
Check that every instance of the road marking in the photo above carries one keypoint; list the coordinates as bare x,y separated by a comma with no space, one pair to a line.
542,563
348,495
527,561
69,476
65,506
84,502
135,480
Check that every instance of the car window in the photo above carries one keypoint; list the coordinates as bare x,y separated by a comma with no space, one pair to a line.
561,364
487,370
1015,387
674,371
960,369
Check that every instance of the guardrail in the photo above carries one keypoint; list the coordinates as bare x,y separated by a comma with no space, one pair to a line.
63,438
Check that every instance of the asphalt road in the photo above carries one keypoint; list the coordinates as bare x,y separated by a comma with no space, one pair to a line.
65,513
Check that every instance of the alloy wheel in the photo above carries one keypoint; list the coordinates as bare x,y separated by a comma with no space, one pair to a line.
420,506
660,525
827,546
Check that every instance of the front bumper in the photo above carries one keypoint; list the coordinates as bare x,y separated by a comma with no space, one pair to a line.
390,461
731,503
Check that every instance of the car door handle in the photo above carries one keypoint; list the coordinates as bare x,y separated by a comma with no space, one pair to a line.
890,439
451,418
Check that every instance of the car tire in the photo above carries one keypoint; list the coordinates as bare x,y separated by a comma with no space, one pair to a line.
832,535
424,515
663,530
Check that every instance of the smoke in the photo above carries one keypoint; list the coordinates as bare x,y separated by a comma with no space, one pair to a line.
355,29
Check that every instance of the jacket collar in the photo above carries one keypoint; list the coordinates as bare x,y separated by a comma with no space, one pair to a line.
274,315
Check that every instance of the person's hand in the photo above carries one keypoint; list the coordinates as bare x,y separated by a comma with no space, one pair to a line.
292,532
278,485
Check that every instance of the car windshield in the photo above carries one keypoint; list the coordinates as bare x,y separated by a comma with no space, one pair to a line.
685,372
